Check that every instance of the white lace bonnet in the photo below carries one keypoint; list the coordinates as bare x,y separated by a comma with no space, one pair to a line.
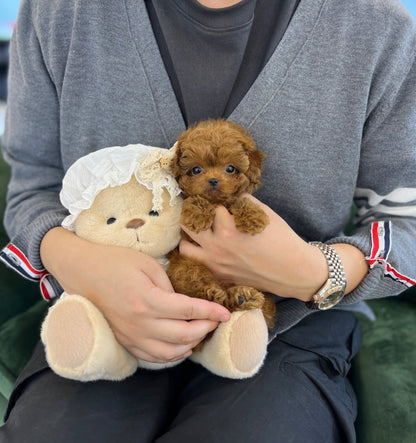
115,166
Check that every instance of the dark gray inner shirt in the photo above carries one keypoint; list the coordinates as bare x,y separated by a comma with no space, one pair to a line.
207,52
206,47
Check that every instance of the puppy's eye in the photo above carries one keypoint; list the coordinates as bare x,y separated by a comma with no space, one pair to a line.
111,220
154,213
196,170
230,169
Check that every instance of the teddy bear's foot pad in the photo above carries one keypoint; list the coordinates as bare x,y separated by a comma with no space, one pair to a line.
247,344
80,345
238,347
64,347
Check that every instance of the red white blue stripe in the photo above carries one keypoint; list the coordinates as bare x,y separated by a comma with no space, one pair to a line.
46,289
380,241
17,260
13,257
380,249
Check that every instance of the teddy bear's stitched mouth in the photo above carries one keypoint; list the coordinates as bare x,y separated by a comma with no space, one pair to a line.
138,240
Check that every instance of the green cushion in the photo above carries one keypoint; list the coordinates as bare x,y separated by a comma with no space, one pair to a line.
18,337
3,407
16,294
384,372
21,313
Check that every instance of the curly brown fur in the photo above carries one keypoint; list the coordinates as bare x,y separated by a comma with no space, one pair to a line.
216,161
213,145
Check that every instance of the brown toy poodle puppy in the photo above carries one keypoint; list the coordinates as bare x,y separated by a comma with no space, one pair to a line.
215,162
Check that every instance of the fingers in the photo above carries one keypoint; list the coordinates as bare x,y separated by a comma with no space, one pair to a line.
158,276
223,220
161,353
185,333
161,280
173,340
160,332
263,206
191,250
200,238
180,307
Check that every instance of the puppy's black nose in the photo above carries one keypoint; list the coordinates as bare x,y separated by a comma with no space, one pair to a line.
213,182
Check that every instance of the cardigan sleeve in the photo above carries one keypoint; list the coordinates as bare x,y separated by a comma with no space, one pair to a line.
31,148
386,187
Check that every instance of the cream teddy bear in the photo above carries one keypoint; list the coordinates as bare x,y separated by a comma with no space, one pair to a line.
127,196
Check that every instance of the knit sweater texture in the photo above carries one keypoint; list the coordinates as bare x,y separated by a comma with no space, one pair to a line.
334,110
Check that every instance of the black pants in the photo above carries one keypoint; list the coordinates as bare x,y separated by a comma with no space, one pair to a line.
302,394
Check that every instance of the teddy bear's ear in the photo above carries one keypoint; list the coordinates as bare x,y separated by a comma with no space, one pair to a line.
165,162
174,163
166,158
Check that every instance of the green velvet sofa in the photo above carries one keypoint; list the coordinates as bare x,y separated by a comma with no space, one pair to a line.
384,372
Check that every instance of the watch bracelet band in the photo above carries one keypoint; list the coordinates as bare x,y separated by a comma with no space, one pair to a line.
335,267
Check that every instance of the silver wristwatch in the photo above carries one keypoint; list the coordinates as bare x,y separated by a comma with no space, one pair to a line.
333,290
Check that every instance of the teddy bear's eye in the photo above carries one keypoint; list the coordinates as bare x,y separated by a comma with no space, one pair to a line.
154,213
230,169
111,220
196,170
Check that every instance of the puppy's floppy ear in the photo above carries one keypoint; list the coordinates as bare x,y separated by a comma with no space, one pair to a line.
255,158
254,170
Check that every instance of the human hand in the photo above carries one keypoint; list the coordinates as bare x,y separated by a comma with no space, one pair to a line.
134,294
276,260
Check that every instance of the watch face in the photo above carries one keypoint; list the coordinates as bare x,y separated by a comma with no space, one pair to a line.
331,299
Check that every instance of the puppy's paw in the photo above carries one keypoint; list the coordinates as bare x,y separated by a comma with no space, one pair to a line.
243,298
197,214
269,311
216,294
249,218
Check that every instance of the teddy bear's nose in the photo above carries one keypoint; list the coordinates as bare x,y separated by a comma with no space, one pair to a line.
135,223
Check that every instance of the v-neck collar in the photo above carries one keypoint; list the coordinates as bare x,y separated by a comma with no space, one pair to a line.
271,20
263,90
272,77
